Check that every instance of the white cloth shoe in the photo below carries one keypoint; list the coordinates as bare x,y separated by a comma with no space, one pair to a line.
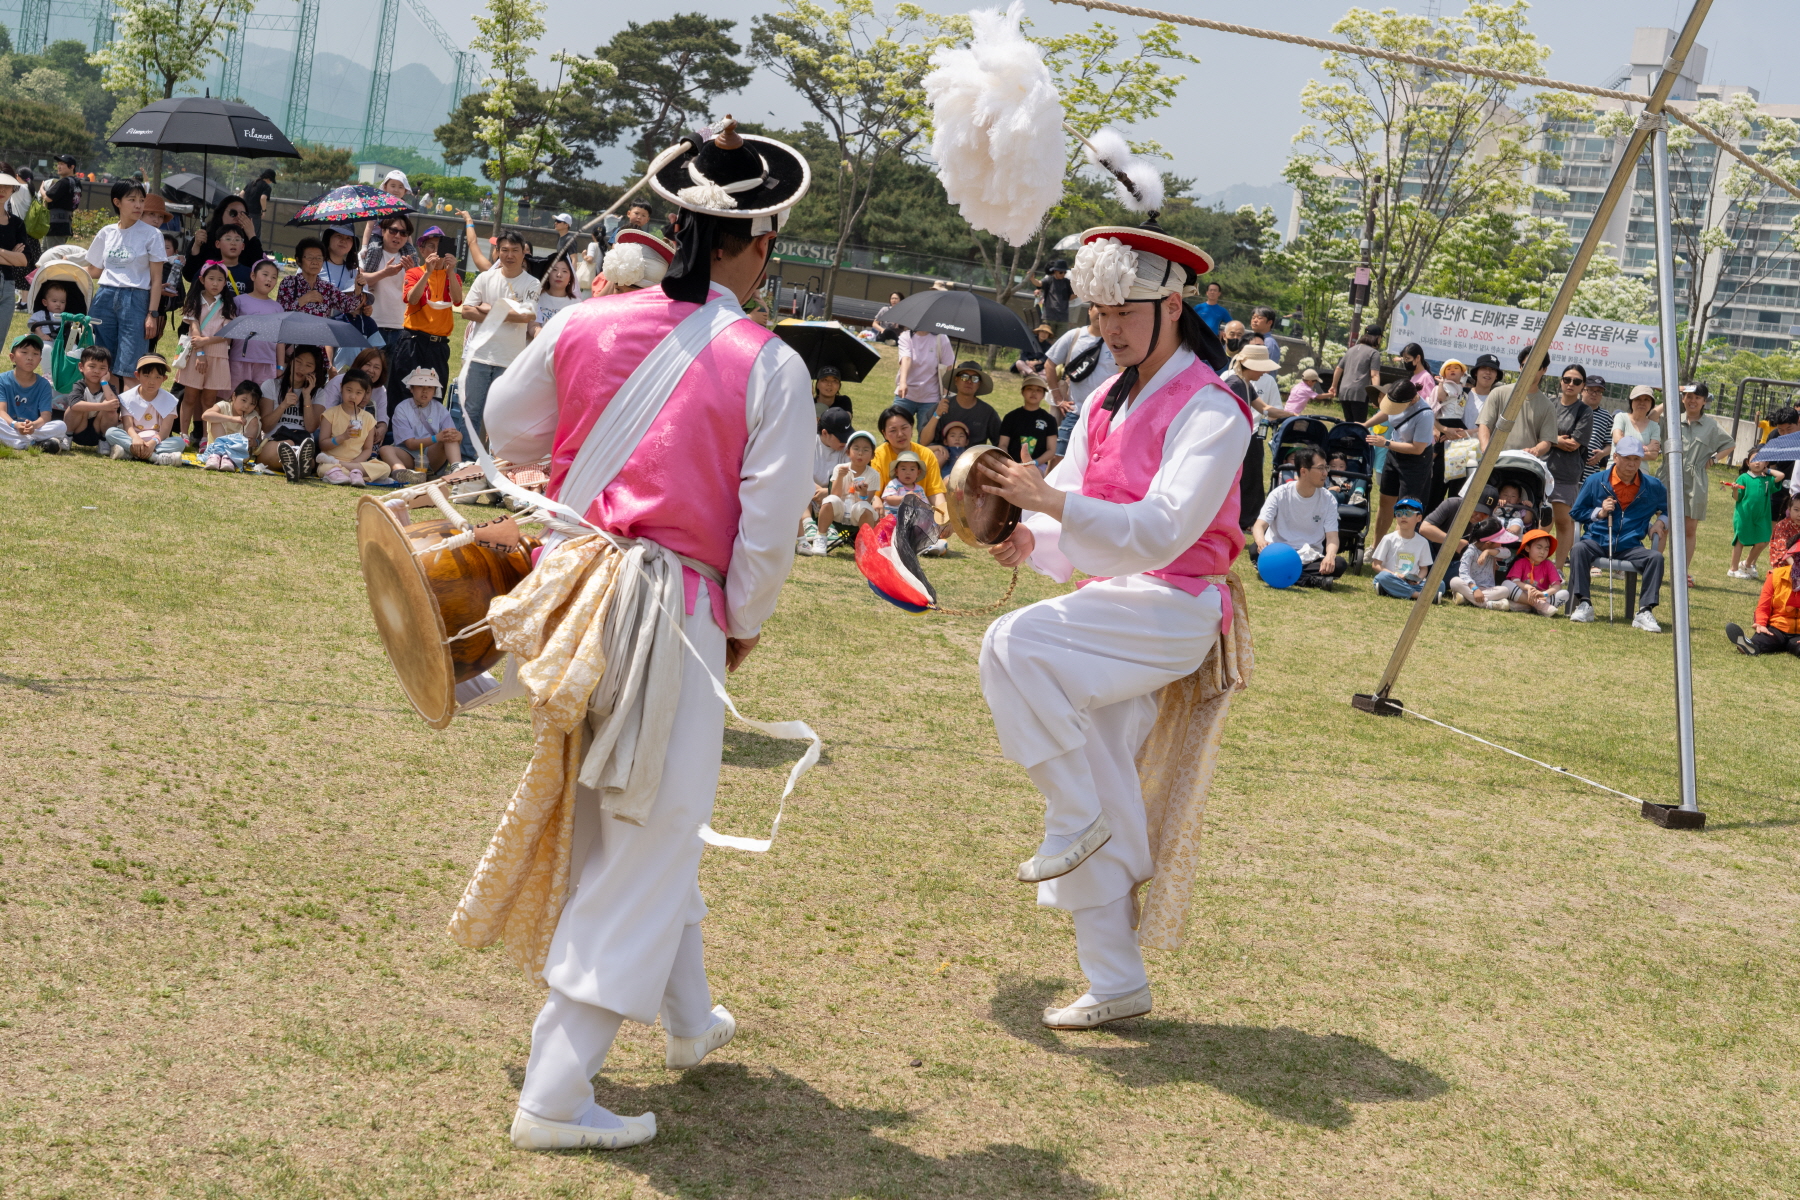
811,547
1584,613
681,1053
1086,1016
1040,867
530,1132
1645,621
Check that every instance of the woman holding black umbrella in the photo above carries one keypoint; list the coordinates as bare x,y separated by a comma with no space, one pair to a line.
230,215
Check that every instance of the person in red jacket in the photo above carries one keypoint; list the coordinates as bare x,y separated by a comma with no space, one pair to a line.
1777,617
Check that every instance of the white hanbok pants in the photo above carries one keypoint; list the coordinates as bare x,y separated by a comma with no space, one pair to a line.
1072,681
628,943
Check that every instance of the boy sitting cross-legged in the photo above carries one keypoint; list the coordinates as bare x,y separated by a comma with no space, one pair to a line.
26,399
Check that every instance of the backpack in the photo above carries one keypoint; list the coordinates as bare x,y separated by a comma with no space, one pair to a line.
37,221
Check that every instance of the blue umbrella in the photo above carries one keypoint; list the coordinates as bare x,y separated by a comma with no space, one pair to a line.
296,329
1785,448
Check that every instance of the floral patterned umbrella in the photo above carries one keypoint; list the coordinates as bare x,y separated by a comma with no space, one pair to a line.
352,202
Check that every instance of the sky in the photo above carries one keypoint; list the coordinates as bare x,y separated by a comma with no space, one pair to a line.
1238,109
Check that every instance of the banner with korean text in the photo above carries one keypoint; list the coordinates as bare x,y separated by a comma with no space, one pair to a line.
1463,329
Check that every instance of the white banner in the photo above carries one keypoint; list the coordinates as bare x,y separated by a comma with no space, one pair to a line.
1463,329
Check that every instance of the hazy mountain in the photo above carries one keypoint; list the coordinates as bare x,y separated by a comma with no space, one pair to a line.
418,101
1278,196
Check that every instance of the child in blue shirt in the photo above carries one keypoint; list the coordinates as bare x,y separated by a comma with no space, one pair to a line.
27,398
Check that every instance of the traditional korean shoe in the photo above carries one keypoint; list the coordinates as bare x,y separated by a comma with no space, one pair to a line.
531,1132
684,1052
1040,867
1087,1016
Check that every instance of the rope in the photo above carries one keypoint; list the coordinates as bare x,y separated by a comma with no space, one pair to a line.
982,612
1536,762
1436,64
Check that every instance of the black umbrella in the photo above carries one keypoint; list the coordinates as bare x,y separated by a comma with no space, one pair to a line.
296,329
204,125
964,316
828,344
192,187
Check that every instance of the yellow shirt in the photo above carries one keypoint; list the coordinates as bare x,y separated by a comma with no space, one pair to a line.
933,478
335,422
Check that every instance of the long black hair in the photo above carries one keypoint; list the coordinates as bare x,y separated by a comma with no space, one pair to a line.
196,297
286,377
1190,331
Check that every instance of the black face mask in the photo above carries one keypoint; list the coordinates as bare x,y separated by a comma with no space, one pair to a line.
1234,344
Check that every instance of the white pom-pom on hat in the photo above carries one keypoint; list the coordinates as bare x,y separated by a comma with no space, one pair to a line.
998,140
629,265
1137,184
1104,271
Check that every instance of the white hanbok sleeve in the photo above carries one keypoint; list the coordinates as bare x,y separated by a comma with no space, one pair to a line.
773,487
1066,476
1202,452
521,407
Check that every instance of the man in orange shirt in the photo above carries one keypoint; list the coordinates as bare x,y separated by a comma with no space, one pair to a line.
432,291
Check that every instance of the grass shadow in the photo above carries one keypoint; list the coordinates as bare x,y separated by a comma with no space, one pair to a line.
724,1130
1310,1079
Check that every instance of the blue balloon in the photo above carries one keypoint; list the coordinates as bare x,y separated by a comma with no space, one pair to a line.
1279,565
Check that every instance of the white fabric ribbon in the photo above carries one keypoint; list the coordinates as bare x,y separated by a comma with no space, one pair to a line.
603,454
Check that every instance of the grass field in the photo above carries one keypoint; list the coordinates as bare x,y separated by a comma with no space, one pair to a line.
1416,967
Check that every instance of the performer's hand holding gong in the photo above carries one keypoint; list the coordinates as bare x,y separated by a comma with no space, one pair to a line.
1019,483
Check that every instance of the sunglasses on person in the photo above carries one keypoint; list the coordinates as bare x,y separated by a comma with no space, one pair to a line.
1573,381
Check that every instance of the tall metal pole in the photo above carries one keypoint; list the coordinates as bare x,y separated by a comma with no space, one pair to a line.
1665,279
1625,171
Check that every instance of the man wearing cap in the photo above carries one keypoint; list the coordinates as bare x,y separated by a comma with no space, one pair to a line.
1619,507
668,415
1058,291
433,289
1702,440
1145,502
62,196
1600,419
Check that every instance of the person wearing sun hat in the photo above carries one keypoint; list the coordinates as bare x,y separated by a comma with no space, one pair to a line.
1146,502
964,385
670,417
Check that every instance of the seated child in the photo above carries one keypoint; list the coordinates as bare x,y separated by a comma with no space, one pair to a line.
232,426
1533,584
953,439
908,467
91,407
1477,584
26,401
53,302
1777,621
1347,491
346,436
855,486
145,429
425,437
1403,557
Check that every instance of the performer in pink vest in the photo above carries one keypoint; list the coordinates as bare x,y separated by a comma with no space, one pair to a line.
668,415
1146,500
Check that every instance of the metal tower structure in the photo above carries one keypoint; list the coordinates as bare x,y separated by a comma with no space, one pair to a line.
375,116
231,67
463,63
300,76
34,26
103,26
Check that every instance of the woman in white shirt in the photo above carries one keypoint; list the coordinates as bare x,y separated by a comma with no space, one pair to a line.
127,258
1638,423
559,292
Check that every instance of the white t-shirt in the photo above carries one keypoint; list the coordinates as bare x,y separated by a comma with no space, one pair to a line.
496,340
1300,520
1403,556
124,255
140,408
825,460
1070,345
549,306
389,295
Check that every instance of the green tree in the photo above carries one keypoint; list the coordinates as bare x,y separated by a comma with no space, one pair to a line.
1726,231
159,45
1448,147
401,157
860,72
37,128
665,77
450,187
557,176
508,34
1320,255
331,165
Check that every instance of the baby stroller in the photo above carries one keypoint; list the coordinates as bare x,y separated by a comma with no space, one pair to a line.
65,266
1531,475
1351,484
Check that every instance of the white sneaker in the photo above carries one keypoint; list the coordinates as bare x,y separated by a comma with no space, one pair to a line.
1734,573
811,547
1086,1016
680,1053
1584,612
120,453
1645,621
170,459
1040,867
531,1132
938,548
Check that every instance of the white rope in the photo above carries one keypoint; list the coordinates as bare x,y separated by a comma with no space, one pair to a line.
1537,762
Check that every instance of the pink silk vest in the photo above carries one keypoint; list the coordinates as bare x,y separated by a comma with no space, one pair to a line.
1120,469
679,488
